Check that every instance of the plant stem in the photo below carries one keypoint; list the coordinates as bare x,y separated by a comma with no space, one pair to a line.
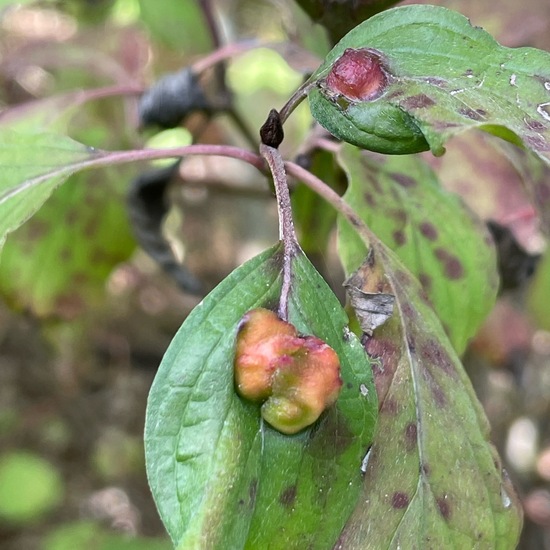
219,69
72,99
286,225
287,234
99,158
297,97
225,52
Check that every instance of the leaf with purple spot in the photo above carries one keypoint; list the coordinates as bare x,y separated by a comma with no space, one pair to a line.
431,474
437,76
433,233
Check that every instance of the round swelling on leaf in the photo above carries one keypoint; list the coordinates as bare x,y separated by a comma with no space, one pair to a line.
358,75
298,377
350,103
263,343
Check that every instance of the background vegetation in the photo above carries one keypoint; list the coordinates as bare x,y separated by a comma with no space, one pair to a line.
85,316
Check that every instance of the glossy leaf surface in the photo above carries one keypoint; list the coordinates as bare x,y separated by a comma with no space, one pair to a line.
437,238
219,475
443,77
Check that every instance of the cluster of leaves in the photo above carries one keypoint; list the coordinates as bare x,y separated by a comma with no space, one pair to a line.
402,459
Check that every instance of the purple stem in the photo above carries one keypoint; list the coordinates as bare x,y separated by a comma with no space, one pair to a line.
101,158
286,226
327,193
297,97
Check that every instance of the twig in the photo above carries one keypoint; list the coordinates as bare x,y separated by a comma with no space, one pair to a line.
297,97
327,193
225,52
286,225
219,69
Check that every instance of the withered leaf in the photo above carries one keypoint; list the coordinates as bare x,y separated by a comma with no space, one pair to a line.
369,295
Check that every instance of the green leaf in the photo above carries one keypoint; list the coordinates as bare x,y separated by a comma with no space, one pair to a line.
437,238
443,77
313,216
219,475
433,480
33,165
178,25
57,263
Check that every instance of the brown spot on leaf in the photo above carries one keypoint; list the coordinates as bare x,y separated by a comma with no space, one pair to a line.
91,227
419,101
437,392
411,344
425,281
425,469
402,277
395,94
71,216
399,500
537,142
441,125
408,311
36,229
439,82
398,215
533,124
422,294
435,354
444,507
439,396
429,231
369,199
452,266
403,179
411,434
252,492
389,406
470,113
399,237
288,496
358,75
330,437
386,355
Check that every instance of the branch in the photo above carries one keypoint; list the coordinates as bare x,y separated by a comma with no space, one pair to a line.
324,191
286,225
